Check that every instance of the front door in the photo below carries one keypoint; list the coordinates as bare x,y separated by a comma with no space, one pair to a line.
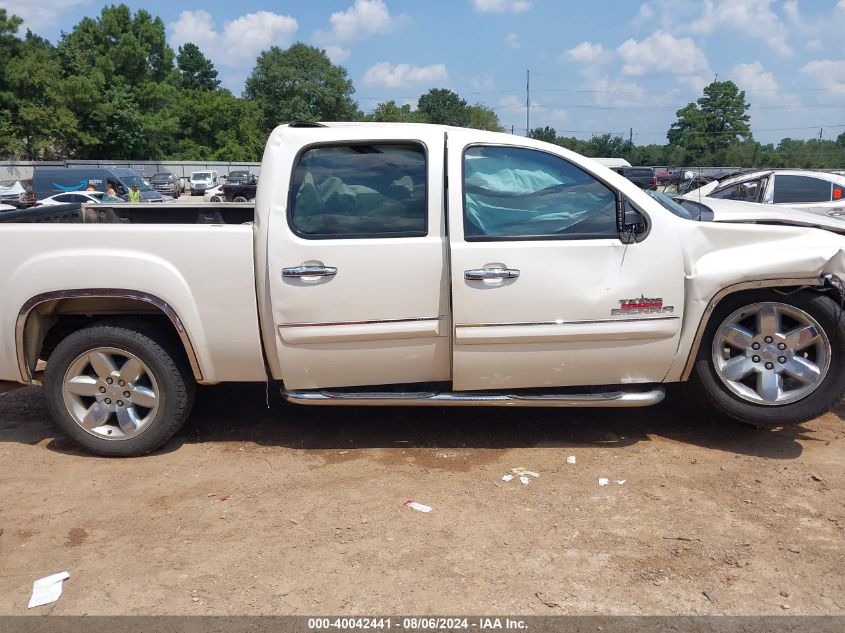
357,257
544,292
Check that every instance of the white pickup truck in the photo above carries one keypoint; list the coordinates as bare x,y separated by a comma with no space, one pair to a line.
418,265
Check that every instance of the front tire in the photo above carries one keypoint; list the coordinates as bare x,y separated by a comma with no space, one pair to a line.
773,359
118,391
239,199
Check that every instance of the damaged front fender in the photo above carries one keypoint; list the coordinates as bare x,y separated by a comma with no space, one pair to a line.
723,259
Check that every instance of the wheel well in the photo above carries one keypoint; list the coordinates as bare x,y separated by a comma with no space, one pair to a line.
44,322
824,286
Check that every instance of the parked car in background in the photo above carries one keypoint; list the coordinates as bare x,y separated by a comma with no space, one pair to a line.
79,197
239,192
17,193
202,180
241,177
816,192
48,181
215,194
643,177
166,182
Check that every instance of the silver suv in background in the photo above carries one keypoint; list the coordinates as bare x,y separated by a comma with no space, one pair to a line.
166,182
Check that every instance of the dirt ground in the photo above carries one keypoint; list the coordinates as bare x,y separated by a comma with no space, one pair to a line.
299,510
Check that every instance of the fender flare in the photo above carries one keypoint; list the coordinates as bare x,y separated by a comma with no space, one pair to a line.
109,293
733,289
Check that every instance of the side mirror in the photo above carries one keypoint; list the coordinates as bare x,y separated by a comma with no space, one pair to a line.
630,223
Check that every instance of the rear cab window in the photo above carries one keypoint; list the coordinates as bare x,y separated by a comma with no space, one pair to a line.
359,190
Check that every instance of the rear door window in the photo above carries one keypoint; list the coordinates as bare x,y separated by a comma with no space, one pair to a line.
801,189
359,191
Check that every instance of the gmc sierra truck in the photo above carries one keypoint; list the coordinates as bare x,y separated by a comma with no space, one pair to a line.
418,265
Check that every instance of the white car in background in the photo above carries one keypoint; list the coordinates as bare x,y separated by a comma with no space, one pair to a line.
816,192
215,194
79,197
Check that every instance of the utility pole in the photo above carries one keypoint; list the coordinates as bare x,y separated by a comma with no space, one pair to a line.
819,148
631,135
527,102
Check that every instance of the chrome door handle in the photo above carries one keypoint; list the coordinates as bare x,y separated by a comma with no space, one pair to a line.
481,274
309,271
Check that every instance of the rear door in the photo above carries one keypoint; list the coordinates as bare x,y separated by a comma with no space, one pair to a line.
544,292
357,256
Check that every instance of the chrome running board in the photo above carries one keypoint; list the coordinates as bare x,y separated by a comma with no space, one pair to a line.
480,399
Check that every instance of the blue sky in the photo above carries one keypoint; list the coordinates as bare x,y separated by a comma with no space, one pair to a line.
601,66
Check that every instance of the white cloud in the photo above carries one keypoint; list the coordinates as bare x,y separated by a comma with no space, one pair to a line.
239,41
361,21
644,16
385,74
501,6
39,13
752,18
337,54
754,78
662,52
828,74
482,83
512,41
585,52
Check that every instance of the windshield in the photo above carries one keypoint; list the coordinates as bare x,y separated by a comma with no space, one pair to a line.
670,205
238,174
161,176
136,181
200,175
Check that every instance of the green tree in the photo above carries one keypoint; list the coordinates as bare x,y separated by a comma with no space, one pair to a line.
444,107
547,134
119,74
607,146
195,69
390,112
709,125
216,125
483,118
300,84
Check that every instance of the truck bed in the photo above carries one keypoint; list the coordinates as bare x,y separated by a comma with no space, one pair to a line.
184,256
211,213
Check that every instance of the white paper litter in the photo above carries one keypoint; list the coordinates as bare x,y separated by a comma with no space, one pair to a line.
530,473
47,590
417,506
507,477
524,480
621,481
603,481
570,459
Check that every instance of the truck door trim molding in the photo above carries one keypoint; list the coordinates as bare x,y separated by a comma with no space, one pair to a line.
109,293
553,332
724,292
321,323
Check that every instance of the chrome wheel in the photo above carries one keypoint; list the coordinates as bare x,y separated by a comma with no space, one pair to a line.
110,393
771,353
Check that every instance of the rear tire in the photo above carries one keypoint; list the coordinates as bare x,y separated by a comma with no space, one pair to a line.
772,359
239,199
118,392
